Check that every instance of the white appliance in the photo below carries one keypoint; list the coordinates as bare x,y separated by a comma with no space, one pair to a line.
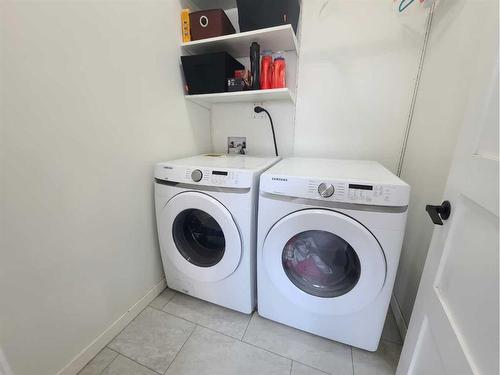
206,209
329,240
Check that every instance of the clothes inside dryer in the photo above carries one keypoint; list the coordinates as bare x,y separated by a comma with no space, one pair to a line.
321,263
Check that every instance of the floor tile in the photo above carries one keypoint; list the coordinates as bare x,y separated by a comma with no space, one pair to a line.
229,322
391,331
314,351
382,362
208,352
300,369
160,301
99,362
125,366
153,338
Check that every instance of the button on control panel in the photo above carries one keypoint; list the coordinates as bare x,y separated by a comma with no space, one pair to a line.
325,190
196,175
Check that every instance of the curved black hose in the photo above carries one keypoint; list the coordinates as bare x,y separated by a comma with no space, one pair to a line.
259,109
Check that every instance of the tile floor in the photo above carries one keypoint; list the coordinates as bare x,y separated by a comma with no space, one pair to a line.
178,334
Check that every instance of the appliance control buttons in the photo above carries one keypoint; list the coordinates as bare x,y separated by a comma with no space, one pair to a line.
326,190
196,175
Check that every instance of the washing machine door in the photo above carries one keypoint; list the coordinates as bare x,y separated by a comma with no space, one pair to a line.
324,261
200,237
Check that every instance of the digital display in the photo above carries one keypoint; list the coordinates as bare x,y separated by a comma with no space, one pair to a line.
219,173
360,187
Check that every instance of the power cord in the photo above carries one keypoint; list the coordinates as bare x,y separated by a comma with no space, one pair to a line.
259,109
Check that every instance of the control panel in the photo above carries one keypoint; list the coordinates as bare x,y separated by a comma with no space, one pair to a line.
337,191
203,176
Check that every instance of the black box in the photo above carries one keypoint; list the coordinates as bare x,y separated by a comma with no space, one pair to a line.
253,15
208,73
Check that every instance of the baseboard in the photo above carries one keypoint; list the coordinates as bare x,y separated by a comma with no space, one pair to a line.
398,315
102,340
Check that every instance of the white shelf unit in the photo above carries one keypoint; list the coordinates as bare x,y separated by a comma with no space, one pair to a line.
255,96
278,38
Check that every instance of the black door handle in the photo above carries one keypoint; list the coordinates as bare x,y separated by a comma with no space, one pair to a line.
439,212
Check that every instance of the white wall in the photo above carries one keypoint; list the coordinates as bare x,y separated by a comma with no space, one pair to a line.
358,64
357,68
461,34
90,98
239,119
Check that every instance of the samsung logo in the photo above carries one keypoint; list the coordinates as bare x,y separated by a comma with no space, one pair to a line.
168,167
279,179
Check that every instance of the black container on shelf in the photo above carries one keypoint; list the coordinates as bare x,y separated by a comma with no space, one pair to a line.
208,73
253,15
255,65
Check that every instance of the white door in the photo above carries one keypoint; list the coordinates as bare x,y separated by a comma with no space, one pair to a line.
324,261
199,236
454,325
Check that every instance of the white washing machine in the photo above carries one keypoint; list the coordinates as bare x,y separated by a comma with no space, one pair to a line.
329,240
206,209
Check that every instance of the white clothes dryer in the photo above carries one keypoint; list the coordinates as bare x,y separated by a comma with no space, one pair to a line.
329,240
206,216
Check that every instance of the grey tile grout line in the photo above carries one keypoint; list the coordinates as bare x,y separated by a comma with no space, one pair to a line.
311,367
282,356
129,323
133,360
352,360
180,349
124,355
391,342
170,300
199,324
109,364
248,324
291,366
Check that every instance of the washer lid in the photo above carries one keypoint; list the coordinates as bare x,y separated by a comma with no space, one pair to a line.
199,236
324,261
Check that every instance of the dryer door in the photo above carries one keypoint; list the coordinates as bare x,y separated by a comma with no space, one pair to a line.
199,236
324,261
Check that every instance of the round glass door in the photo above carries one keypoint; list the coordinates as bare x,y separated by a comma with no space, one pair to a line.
321,263
198,237
324,261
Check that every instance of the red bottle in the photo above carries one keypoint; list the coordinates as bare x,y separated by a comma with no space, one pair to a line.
279,73
266,71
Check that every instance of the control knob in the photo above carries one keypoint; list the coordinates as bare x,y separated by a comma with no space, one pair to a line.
325,190
196,175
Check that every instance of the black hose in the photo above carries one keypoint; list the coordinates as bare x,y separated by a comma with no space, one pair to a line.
259,109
